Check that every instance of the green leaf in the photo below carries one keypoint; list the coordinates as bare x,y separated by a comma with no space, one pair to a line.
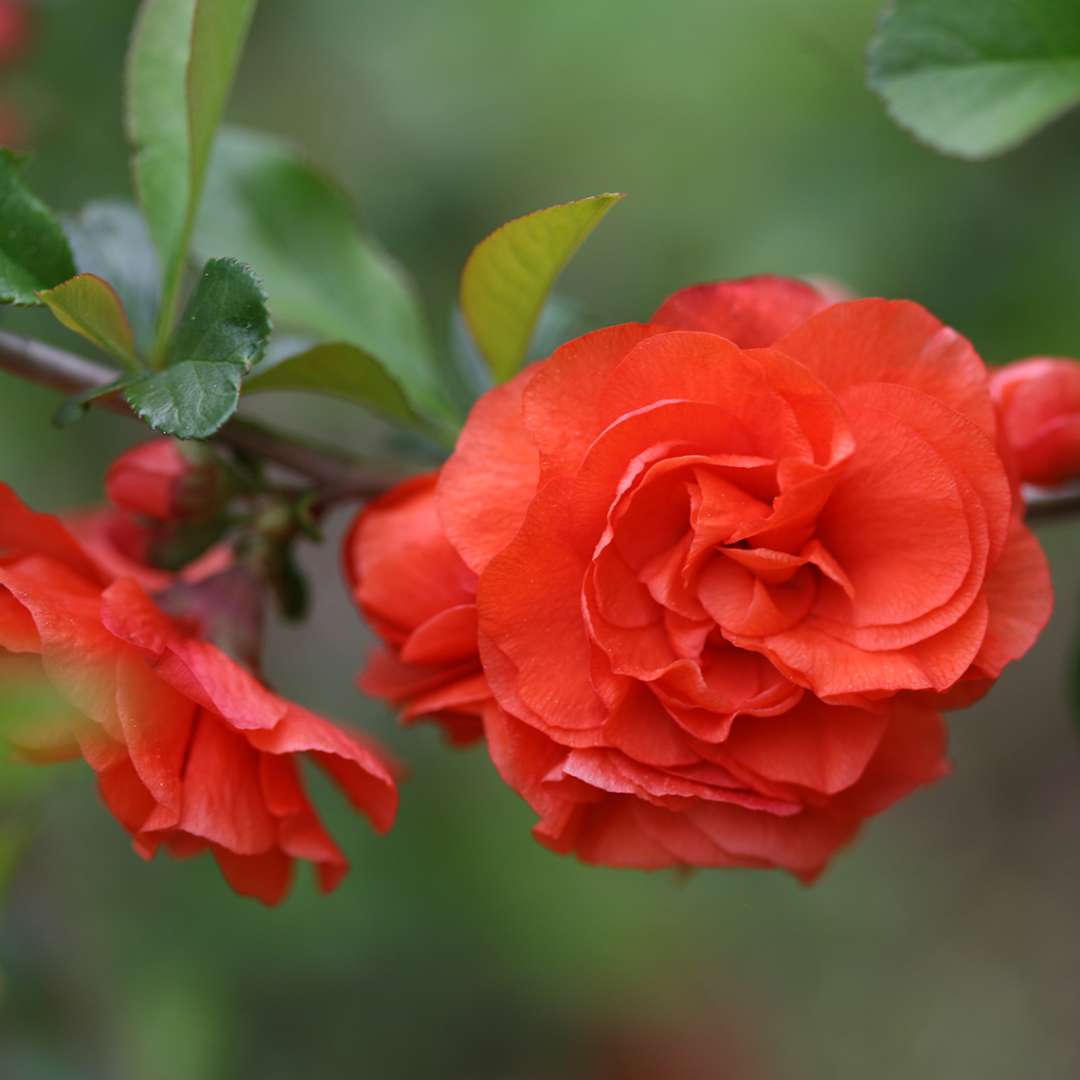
217,39
74,408
338,369
267,205
223,332
190,400
90,306
110,239
226,319
34,253
181,63
974,79
508,275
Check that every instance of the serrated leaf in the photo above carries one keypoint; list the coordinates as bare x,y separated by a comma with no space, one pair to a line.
34,253
226,319
90,306
180,65
976,79
338,369
110,239
267,205
190,400
509,274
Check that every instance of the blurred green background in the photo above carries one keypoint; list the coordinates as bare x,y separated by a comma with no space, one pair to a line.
945,943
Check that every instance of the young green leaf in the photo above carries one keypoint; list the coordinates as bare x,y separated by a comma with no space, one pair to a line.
338,369
508,275
976,79
90,306
190,400
264,203
226,320
34,253
181,63
110,239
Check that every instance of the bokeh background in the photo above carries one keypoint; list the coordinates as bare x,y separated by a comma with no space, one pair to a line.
945,943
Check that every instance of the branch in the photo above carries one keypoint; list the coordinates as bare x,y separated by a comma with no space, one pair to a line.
1051,504
325,466
339,475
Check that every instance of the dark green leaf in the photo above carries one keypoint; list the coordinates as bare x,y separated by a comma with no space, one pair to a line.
339,370
110,239
974,79
34,253
225,320
180,66
267,205
90,306
507,277
190,400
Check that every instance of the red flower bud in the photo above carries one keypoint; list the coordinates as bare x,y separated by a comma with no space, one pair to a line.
161,480
1038,402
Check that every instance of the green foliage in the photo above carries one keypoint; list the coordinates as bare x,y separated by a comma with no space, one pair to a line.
226,319
264,203
180,66
91,307
509,274
190,400
34,253
110,239
338,369
974,79
223,332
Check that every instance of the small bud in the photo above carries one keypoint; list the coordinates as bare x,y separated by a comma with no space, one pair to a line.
1038,403
168,482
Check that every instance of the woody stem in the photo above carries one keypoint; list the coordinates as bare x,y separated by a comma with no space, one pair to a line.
339,476
327,468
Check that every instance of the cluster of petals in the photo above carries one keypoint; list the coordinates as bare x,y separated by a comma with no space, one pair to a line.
708,582
192,752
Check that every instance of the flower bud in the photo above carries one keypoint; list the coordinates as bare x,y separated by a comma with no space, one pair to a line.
165,481
1038,402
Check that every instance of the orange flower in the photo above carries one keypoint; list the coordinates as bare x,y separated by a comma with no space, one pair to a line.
730,565
192,753
420,597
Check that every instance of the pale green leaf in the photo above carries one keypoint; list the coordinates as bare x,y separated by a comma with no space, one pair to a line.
90,306
509,274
